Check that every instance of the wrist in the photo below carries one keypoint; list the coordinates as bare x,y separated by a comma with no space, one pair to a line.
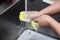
55,25
50,21
42,12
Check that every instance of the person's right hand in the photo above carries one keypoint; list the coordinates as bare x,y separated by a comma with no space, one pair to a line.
32,14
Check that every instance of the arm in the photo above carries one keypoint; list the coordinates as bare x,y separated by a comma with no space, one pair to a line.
55,25
52,9
46,20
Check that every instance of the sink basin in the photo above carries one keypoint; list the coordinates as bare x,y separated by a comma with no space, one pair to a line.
9,20
8,30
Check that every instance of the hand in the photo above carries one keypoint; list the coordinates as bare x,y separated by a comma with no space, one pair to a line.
32,14
43,20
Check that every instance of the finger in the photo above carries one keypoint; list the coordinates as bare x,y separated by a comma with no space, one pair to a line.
36,20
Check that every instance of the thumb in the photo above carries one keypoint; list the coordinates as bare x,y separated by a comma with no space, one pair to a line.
36,20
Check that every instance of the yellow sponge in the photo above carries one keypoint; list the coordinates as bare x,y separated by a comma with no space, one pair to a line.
22,17
33,24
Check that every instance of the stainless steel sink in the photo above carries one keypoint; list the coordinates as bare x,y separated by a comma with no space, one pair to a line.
9,20
8,30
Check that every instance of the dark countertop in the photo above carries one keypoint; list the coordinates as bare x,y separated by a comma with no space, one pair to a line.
4,6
